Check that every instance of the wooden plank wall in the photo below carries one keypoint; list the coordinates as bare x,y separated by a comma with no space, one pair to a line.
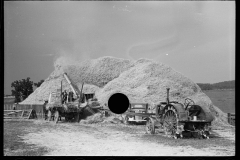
8,106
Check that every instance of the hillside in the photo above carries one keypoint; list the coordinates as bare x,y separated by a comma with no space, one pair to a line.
220,85
224,99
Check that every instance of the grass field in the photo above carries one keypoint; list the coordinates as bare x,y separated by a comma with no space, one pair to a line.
223,99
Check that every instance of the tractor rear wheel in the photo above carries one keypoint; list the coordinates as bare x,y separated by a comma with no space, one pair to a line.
56,116
150,128
49,115
170,123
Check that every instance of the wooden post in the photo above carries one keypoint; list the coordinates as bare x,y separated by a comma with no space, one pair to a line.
30,112
167,99
22,113
50,96
229,118
42,109
61,93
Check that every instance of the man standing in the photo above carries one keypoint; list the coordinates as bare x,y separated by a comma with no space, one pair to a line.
45,111
64,96
70,96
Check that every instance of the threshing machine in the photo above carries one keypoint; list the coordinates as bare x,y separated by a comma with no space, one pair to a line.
71,110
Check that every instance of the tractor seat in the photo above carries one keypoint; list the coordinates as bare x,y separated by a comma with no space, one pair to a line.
194,110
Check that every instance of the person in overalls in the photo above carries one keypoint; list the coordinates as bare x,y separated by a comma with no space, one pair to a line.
70,96
64,96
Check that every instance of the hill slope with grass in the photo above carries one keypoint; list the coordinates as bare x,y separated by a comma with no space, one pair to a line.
219,85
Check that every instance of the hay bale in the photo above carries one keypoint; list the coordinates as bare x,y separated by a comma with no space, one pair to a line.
113,120
95,118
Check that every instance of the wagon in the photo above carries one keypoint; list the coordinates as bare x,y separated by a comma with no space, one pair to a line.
71,110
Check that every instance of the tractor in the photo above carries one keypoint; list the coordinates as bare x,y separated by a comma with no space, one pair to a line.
175,119
179,120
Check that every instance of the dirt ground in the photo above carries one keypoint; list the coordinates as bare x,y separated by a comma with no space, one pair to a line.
76,139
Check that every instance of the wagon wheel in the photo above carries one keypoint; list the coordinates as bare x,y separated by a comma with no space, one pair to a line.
150,129
76,117
49,115
56,116
45,115
170,123
66,118
69,117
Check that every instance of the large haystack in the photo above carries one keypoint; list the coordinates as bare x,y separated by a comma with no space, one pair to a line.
94,73
98,71
142,81
146,81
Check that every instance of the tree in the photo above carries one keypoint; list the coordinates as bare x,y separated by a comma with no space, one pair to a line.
38,83
22,89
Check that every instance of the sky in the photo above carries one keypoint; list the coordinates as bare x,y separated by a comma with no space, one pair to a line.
195,38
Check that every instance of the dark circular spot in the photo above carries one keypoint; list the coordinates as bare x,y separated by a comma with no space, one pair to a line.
118,103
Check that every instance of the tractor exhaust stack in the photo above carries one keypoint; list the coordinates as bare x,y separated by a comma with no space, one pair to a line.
167,100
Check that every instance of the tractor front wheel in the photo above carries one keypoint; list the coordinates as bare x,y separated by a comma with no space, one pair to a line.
150,128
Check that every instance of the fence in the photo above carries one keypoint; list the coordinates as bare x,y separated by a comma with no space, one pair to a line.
20,114
37,107
231,118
